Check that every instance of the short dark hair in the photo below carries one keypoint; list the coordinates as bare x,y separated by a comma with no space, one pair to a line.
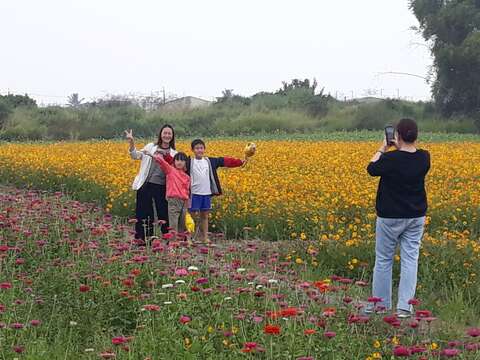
407,129
180,156
197,142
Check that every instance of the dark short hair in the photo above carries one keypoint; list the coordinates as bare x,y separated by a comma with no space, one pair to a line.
407,129
172,142
197,142
180,156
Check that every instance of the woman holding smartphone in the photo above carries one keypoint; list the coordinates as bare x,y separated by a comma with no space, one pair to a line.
401,207
150,182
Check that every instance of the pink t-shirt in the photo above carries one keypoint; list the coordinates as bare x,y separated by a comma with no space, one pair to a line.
178,182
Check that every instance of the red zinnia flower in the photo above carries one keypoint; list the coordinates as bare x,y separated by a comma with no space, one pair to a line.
401,351
151,307
289,312
374,299
107,355
329,334
423,313
309,331
18,349
329,312
418,349
272,329
84,288
473,332
414,302
5,285
185,319
118,340
450,352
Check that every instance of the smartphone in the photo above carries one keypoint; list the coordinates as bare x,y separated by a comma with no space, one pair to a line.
389,134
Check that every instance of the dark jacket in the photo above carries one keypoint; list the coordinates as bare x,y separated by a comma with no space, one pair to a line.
214,164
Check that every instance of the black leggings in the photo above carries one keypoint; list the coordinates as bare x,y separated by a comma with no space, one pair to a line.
146,195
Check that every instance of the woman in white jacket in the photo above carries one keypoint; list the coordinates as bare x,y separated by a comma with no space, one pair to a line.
150,181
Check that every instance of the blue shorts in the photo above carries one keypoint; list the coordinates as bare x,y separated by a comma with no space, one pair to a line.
201,203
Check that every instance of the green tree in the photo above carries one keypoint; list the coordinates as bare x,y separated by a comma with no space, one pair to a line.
453,28
74,100
5,111
14,101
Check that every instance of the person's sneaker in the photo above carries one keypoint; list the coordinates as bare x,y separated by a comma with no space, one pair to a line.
403,314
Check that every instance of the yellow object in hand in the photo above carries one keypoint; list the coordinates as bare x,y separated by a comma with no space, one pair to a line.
250,149
189,223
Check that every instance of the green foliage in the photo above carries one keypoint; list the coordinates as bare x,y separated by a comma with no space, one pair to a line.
15,101
298,107
452,27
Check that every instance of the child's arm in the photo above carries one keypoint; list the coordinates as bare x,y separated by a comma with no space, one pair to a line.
168,158
164,165
232,162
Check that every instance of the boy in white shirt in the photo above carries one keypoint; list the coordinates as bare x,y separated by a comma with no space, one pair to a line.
205,183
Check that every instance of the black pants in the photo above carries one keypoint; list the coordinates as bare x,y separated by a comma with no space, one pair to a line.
146,195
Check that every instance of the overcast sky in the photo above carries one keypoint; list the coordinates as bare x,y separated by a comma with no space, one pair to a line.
52,48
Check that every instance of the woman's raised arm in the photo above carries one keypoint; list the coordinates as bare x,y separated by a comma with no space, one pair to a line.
132,150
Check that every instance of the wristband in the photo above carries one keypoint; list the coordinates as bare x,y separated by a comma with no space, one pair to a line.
381,152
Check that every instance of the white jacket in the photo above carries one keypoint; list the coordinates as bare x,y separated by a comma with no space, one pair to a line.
145,164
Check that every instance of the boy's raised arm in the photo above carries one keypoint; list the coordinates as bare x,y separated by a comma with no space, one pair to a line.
232,162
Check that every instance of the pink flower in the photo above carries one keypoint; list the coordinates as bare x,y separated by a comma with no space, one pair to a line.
35,322
84,288
118,340
414,302
374,299
450,352
416,349
107,355
16,326
181,272
5,285
329,334
423,313
201,280
401,351
473,332
185,319
472,347
18,349
151,307
257,319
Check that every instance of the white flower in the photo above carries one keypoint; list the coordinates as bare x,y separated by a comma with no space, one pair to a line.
89,350
166,286
167,303
73,323
250,283
192,268
240,270
258,287
180,282
272,281
227,298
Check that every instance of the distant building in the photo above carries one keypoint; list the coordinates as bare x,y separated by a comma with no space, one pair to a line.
369,100
184,103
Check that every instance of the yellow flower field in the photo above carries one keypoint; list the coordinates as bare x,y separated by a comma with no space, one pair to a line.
295,189
317,192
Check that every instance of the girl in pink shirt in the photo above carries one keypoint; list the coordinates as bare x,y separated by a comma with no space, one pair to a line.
178,190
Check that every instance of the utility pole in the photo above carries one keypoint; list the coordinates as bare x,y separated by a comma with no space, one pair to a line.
163,91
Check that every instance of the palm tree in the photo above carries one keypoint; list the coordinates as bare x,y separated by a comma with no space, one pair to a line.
74,100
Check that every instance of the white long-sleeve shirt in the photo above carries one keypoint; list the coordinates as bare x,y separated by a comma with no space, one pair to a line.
146,162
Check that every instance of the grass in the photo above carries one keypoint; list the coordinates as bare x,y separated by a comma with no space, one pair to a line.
79,287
